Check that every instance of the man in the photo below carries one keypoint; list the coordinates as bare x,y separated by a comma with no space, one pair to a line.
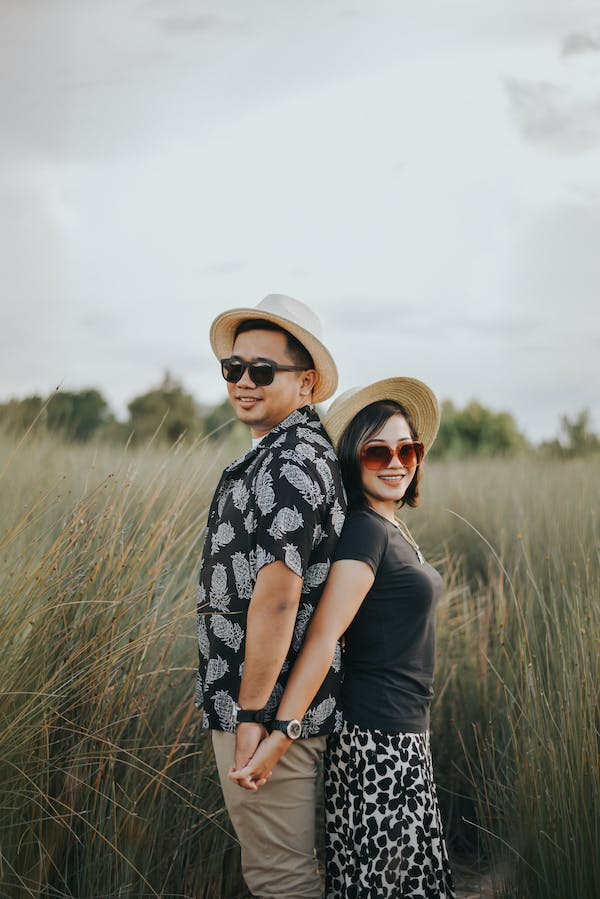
272,527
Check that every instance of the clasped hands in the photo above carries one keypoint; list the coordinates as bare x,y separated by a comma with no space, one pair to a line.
256,754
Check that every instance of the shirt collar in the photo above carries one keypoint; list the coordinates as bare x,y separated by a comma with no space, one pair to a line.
303,415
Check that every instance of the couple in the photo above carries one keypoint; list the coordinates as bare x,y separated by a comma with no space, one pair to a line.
287,572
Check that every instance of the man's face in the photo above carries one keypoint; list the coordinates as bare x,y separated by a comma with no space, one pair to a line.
262,408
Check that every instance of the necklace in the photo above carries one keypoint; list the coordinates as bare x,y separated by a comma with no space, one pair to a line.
409,538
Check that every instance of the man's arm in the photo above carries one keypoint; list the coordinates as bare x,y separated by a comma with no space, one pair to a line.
347,585
269,630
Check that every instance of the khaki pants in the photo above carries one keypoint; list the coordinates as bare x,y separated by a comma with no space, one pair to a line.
276,824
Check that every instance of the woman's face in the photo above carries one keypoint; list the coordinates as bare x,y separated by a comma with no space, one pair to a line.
386,486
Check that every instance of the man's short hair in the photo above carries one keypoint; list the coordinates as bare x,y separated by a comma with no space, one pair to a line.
295,350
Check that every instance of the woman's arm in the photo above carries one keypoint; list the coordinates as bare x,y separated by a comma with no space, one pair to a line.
348,583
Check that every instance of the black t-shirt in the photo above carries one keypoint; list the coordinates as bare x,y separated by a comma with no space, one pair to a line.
390,645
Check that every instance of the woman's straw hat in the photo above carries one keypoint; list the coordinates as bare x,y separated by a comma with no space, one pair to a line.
294,317
416,397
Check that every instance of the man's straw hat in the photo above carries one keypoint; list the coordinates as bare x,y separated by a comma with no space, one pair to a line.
294,317
416,397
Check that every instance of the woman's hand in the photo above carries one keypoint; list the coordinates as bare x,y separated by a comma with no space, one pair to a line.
260,767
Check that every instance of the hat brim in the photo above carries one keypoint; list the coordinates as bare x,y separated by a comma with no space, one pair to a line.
222,336
416,397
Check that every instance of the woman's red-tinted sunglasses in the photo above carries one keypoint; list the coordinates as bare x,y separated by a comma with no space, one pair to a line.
379,455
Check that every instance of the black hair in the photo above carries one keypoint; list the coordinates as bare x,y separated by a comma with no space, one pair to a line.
295,350
365,423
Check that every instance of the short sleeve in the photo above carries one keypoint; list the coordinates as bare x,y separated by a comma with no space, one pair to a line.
291,502
364,538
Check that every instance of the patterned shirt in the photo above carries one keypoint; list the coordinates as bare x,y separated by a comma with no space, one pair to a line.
282,501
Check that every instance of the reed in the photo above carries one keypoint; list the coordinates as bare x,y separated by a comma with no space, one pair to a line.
107,786
517,721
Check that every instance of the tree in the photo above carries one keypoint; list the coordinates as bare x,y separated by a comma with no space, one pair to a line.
219,421
16,416
576,438
167,411
476,430
77,415
579,439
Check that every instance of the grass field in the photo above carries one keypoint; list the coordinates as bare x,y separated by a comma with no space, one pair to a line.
107,788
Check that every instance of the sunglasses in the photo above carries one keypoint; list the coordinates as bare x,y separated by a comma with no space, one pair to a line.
379,455
262,372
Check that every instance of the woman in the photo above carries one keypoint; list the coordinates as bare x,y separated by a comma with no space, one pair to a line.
383,828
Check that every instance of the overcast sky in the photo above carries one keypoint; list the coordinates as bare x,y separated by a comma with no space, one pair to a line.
425,174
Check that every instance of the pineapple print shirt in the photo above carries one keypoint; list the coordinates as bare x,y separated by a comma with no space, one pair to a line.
282,501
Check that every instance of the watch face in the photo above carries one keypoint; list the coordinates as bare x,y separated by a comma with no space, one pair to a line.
294,729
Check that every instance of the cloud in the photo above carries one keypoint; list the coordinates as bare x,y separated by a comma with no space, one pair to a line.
183,25
179,24
579,42
500,327
556,266
348,314
427,320
226,268
555,115
99,325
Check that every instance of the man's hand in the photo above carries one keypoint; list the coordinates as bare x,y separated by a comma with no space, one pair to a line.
260,767
247,738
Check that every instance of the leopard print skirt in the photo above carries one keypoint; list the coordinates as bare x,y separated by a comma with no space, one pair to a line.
383,828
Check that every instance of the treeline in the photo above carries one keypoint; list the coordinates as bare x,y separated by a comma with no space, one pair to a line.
477,431
168,413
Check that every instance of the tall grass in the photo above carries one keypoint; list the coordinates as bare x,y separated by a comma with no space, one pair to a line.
517,724
107,788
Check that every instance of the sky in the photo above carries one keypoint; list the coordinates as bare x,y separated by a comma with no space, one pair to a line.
425,175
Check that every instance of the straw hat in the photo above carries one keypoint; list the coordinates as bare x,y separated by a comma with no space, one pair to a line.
294,317
416,397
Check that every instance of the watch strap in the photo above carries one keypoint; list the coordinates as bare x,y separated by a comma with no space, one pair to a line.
292,728
250,716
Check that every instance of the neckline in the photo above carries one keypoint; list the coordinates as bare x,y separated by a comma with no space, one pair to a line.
400,526
383,517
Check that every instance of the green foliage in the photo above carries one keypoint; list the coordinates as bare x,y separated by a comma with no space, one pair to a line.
577,438
166,411
219,421
476,431
76,416
16,416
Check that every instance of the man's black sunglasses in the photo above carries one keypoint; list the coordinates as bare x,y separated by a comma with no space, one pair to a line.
262,371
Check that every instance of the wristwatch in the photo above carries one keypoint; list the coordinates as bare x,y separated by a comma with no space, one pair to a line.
248,716
291,729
